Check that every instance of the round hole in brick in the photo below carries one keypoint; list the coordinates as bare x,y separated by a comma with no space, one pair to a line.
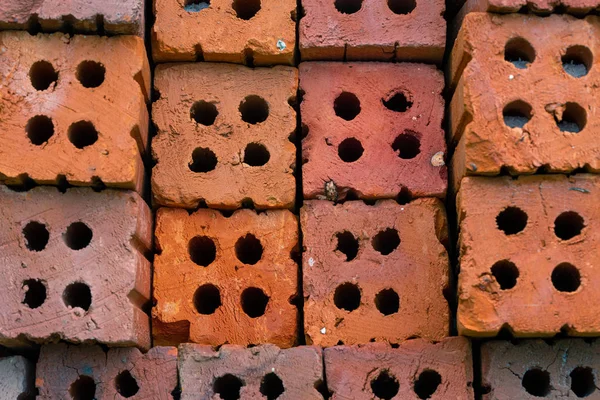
350,150
568,225
346,106
583,382
407,145
402,7
248,249
195,5
254,109
84,388
42,74
35,293
348,6
246,9
91,74
82,134
506,274
254,302
78,294
228,387
385,386
347,296
203,160
126,384
566,278
387,301
78,236
511,220
573,120
39,129
347,244
386,241
517,114
577,61
427,383
536,382
256,155
204,113
271,386
36,236
397,102
202,250
207,299
519,52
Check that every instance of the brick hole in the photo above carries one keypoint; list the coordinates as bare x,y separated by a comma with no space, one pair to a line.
536,382
126,384
574,118
347,244
203,160
78,294
204,112
346,106
254,109
246,9
271,386
254,302
39,129
348,6
506,274
577,61
91,74
350,150
402,7
397,102
36,236
248,249
82,134
228,387
256,155
386,241
566,278
568,225
195,5
97,184
517,114
35,293
427,383
404,196
78,236
347,297
385,386
387,301
511,220
42,75
84,388
407,145
207,299
202,250
519,52
583,382
321,387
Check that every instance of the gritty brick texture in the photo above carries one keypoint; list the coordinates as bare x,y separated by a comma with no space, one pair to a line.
16,378
362,30
74,267
417,369
252,32
264,371
532,369
527,255
374,273
577,7
73,109
224,136
88,372
372,129
224,279
525,95
115,17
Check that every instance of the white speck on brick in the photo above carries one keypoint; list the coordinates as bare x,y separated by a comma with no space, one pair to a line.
281,45
511,77
323,331
311,262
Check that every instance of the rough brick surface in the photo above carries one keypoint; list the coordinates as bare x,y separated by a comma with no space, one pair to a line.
114,17
251,372
359,372
250,32
532,369
527,255
537,6
210,273
395,111
65,372
524,116
206,151
16,378
74,267
373,30
55,128
401,288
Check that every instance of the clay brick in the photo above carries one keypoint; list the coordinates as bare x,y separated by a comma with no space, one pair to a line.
16,378
115,17
532,369
528,255
223,136
374,273
88,372
224,279
373,129
417,369
248,32
543,7
528,113
73,109
413,30
261,372
74,267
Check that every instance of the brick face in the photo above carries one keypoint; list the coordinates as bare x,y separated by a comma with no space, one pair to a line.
543,7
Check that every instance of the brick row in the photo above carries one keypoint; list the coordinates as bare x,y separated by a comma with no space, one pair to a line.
577,7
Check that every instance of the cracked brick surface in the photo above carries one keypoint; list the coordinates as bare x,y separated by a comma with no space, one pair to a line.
16,377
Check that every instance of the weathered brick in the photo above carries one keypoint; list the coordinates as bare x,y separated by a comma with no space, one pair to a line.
527,255
223,136
406,30
260,372
73,109
373,129
374,273
224,279
252,32
88,372
74,267
577,7
16,378
417,369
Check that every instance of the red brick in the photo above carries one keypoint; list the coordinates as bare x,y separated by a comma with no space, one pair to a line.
396,261
206,151
249,32
416,370
213,272
489,89
65,371
373,30
95,241
402,150
16,378
532,369
537,6
55,128
250,373
528,256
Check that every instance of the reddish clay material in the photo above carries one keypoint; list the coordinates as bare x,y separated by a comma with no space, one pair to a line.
417,369
373,129
224,279
16,378
577,7
373,30
73,110
88,372
243,32
528,256
74,267
261,372
374,273
534,111
115,17
532,369
223,136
